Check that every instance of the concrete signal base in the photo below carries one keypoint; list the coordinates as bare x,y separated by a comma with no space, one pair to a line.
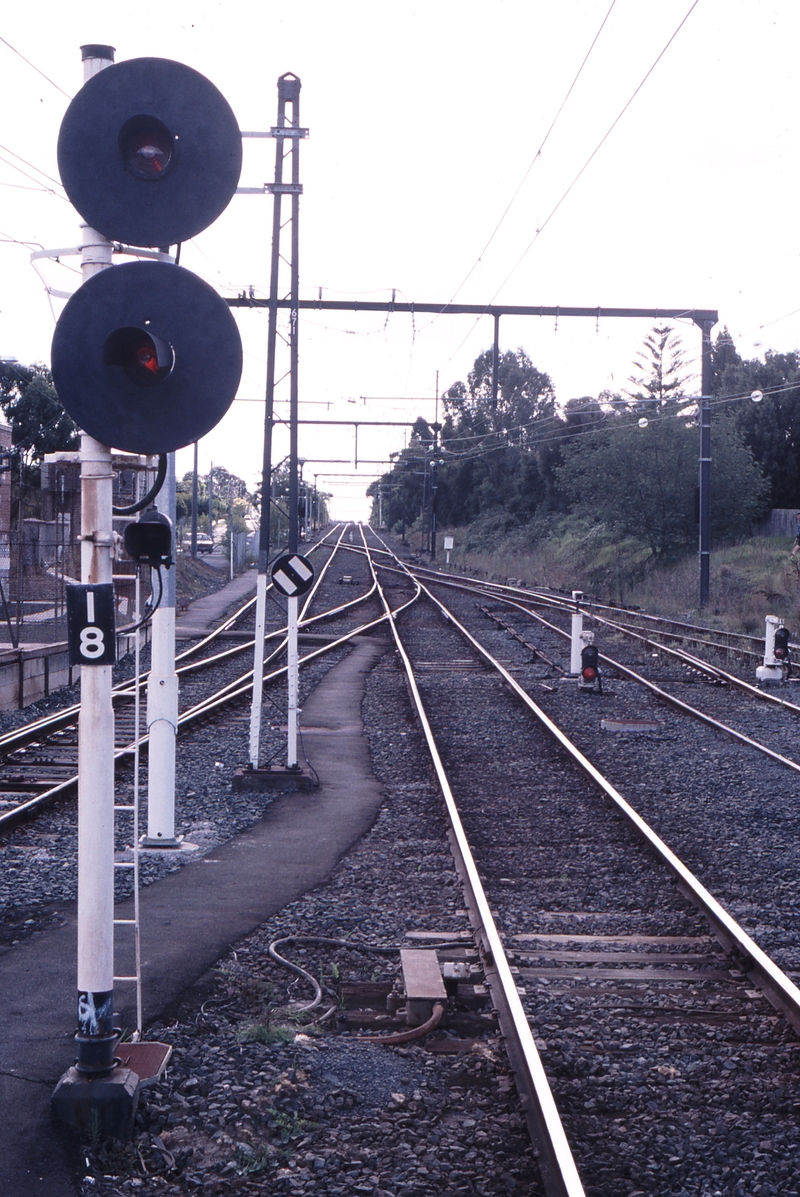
770,675
97,1107
276,777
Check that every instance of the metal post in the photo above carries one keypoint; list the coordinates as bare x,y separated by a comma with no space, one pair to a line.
705,461
496,359
293,673
772,623
576,641
211,500
194,505
95,1038
288,93
434,488
770,672
424,512
230,518
292,86
162,698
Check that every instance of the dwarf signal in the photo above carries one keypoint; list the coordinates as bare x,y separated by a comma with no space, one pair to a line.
589,677
777,663
781,647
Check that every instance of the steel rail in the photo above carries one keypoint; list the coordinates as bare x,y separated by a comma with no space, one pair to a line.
246,678
682,706
239,687
564,602
724,648
698,663
208,705
556,1163
223,697
714,672
779,990
61,720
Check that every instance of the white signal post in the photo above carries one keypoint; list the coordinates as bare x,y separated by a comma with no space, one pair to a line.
771,670
577,641
293,688
95,1037
258,668
292,576
162,699
98,351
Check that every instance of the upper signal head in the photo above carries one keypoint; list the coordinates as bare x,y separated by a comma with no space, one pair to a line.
149,152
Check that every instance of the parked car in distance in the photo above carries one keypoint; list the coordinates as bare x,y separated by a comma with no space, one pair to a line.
205,544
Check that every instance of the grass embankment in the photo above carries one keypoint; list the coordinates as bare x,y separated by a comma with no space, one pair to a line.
194,578
748,580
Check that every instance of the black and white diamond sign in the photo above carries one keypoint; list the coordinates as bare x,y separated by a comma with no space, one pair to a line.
292,575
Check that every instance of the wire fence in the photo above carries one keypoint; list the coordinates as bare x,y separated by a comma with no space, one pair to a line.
40,553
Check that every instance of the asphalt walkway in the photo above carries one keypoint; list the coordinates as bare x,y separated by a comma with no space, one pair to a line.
201,615
188,921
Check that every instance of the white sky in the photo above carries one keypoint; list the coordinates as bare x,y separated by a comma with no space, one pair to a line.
424,118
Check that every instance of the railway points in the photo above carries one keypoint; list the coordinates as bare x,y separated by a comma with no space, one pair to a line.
625,989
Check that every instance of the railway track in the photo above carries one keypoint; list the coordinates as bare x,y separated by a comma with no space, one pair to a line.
639,961
646,1054
741,648
38,761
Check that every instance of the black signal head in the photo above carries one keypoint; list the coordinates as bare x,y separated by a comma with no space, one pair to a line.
781,645
146,357
148,541
149,152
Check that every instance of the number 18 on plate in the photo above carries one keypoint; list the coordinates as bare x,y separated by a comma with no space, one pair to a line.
90,624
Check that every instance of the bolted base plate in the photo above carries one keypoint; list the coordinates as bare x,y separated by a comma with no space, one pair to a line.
159,843
276,777
103,1107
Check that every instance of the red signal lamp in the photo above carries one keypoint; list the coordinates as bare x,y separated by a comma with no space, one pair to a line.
145,357
147,147
589,661
590,666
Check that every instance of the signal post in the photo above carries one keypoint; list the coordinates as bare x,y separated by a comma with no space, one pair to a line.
146,357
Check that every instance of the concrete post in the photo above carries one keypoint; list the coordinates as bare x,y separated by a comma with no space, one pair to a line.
162,699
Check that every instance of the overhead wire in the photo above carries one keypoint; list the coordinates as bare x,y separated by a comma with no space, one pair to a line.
19,241
38,169
22,187
534,160
40,185
540,229
35,68
680,409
